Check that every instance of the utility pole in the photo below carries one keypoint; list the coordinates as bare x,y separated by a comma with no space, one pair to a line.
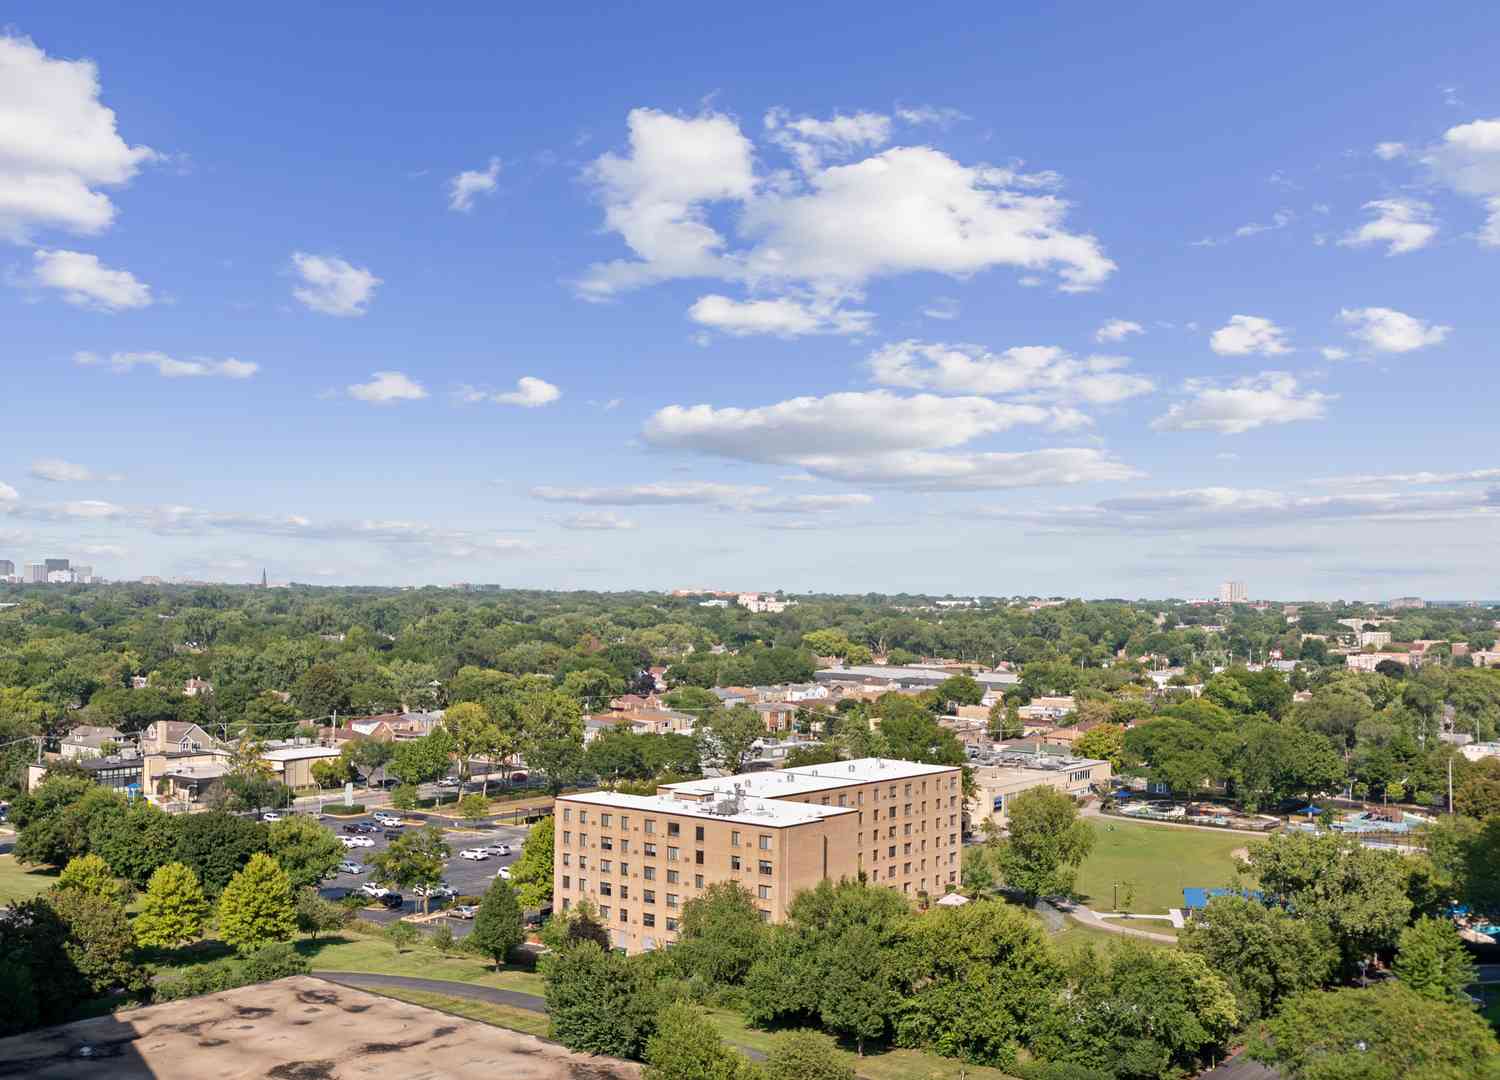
1450,785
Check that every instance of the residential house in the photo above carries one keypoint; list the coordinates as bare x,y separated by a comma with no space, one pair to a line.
195,686
997,784
87,740
175,736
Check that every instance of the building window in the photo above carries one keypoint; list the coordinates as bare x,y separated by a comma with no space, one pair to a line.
605,889
765,867
624,869
648,918
649,896
583,884
843,800
697,881
765,916
908,791
624,915
583,862
734,839
891,852
567,836
671,854
567,859
672,877
765,892
765,842
583,817
624,823
605,866
671,924
566,903
583,839
606,843
649,873
671,899
651,850
604,911
624,892
566,883
650,826
734,862
567,814
604,820
698,857
698,833
673,829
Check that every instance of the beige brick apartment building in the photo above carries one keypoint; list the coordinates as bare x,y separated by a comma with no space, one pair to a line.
640,858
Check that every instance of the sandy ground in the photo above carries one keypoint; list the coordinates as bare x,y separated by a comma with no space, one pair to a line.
300,1028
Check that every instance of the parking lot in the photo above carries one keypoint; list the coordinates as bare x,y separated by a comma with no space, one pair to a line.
466,877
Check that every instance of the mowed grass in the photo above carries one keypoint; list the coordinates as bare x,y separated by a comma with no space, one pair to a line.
531,1023
355,952
875,1065
19,882
1077,936
1157,861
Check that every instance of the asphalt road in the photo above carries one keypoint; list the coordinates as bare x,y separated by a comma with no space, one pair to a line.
464,876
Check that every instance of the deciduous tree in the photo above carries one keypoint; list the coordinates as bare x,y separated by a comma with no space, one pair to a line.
497,926
531,874
1432,960
173,910
304,849
256,907
1046,845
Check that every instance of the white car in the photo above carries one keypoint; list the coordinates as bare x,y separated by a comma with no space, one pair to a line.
351,867
474,853
503,873
441,891
270,816
357,841
390,821
448,781
498,849
370,888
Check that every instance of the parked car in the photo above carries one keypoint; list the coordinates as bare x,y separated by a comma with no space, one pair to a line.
441,891
392,900
449,781
270,815
357,841
349,866
464,911
371,888
503,873
353,827
474,853
498,849
390,821
392,834
367,827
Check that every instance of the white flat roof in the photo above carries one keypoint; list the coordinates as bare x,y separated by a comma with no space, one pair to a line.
769,813
779,783
297,753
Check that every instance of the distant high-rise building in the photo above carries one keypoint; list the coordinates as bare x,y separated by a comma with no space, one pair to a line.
7,568
1233,592
82,573
55,564
36,572
1407,602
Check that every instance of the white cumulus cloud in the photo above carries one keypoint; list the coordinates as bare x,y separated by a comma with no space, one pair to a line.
812,141
468,185
783,316
659,493
1042,371
1402,224
530,393
1117,330
86,282
58,144
333,286
1390,151
169,367
1468,160
1270,398
387,388
58,471
597,521
830,229
1246,335
1387,330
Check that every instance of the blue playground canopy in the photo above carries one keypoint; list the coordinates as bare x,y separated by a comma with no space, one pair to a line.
1196,899
1310,809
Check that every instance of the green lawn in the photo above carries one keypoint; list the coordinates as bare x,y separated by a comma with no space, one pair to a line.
1076,936
355,952
1157,861
532,1023
886,1065
18,882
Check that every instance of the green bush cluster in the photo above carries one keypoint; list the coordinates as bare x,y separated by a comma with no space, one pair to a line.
264,965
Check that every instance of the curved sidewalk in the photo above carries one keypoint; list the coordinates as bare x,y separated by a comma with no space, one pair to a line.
361,980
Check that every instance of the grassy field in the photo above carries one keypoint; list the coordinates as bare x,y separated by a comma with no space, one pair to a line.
21,883
1075,936
888,1065
1157,861
532,1023
353,952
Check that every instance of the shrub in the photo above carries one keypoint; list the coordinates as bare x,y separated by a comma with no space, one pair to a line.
803,1055
442,939
257,906
340,810
91,875
273,962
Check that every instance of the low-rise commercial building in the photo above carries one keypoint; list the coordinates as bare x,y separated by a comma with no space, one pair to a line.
996,785
639,859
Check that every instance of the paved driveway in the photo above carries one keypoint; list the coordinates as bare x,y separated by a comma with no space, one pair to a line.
466,877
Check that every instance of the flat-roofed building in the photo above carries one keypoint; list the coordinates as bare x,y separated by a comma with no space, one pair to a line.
639,859
996,785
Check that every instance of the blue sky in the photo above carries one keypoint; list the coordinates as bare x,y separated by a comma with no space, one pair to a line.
1087,302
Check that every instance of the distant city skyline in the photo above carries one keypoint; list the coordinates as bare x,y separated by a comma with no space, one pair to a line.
1013,302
